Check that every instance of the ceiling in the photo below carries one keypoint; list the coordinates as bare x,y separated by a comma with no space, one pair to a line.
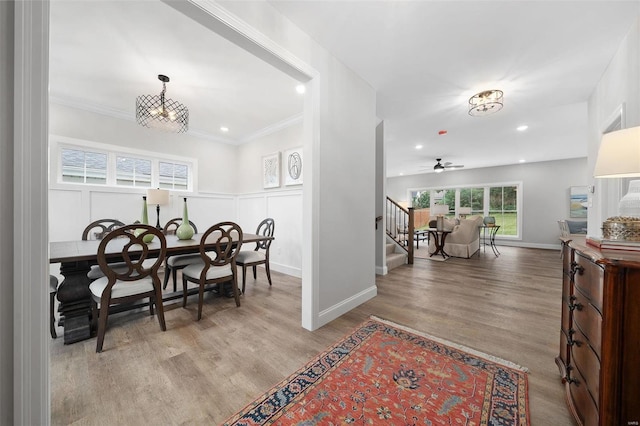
423,58
103,54
426,58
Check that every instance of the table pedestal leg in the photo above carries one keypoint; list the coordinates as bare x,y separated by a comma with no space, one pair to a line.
75,303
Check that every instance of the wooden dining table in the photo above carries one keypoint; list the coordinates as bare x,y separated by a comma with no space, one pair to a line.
76,259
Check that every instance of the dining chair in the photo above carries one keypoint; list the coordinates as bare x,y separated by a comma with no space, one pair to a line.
219,246
260,254
96,231
179,261
53,290
138,280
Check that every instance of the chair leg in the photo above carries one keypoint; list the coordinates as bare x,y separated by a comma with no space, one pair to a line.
200,300
266,267
52,319
160,306
174,275
151,303
184,291
236,293
254,272
165,280
244,277
102,326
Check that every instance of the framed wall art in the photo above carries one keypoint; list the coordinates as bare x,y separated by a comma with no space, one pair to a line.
271,170
578,201
293,166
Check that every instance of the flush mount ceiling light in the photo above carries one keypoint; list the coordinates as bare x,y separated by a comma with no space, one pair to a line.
158,112
485,103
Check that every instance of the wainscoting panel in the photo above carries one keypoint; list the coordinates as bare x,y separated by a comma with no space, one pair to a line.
67,217
286,209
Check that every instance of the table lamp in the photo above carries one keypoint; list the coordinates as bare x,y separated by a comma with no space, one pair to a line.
463,212
159,197
439,210
619,157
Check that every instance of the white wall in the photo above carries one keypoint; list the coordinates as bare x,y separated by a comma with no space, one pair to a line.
218,160
619,86
545,187
339,197
282,204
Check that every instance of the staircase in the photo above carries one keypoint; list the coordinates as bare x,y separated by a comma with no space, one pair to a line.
400,226
395,259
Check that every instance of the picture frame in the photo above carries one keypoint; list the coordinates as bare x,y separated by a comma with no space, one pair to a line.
578,202
292,165
271,170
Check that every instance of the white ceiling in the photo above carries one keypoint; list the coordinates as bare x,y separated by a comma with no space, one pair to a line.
105,53
423,58
426,58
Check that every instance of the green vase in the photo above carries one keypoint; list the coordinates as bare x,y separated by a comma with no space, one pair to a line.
145,221
185,230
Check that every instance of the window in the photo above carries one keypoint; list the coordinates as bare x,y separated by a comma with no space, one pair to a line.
133,172
474,198
501,201
92,163
503,205
174,176
84,166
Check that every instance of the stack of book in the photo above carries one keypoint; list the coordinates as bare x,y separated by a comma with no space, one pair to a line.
604,244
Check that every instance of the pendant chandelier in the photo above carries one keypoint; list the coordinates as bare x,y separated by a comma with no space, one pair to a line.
158,112
485,103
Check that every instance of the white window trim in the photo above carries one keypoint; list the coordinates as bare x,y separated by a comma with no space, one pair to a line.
57,143
518,184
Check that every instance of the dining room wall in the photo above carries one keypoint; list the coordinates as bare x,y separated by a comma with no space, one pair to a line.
283,204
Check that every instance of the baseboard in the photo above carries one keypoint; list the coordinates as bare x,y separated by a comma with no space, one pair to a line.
526,245
286,269
382,270
346,305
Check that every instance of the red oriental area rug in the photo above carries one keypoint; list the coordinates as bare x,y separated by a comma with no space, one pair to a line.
387,373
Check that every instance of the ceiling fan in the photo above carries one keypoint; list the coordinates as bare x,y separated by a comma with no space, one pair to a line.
439,167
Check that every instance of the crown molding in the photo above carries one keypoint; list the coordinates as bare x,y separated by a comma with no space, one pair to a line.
83,105
275,127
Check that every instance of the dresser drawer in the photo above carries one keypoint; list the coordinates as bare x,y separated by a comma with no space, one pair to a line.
585,360
588,320
582,401
589,278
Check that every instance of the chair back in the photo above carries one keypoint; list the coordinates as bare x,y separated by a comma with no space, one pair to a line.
128,242
172,225
220,244
265,228
98,229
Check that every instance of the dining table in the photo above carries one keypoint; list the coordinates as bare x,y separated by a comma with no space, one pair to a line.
76,259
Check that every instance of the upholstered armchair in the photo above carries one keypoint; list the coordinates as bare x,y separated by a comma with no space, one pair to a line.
464,239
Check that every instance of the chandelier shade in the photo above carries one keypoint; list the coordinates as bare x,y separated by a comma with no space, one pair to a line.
159,112
485,103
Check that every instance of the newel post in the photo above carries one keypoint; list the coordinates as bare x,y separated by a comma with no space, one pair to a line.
410,235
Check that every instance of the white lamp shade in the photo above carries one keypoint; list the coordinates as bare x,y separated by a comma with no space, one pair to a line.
619,154
157,196
464,210
440,209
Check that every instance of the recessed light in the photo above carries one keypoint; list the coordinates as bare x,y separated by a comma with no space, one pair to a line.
300,88
523,161
522,128
401,174
418,146
224,129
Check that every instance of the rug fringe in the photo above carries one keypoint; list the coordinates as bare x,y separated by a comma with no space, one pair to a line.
474,352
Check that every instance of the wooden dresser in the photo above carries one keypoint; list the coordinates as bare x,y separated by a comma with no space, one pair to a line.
599,356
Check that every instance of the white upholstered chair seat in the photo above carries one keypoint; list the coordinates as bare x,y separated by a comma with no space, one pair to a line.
183,260
214,272
121,288
250,257
96,272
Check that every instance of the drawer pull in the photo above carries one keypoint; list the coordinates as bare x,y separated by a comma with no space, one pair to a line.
570,341
577,306
575,267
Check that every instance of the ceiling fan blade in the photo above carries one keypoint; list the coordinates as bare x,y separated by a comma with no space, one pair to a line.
454,166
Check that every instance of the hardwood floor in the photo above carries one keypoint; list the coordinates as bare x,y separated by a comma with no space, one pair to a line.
203,372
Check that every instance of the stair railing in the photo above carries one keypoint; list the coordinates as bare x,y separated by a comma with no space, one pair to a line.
400,226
